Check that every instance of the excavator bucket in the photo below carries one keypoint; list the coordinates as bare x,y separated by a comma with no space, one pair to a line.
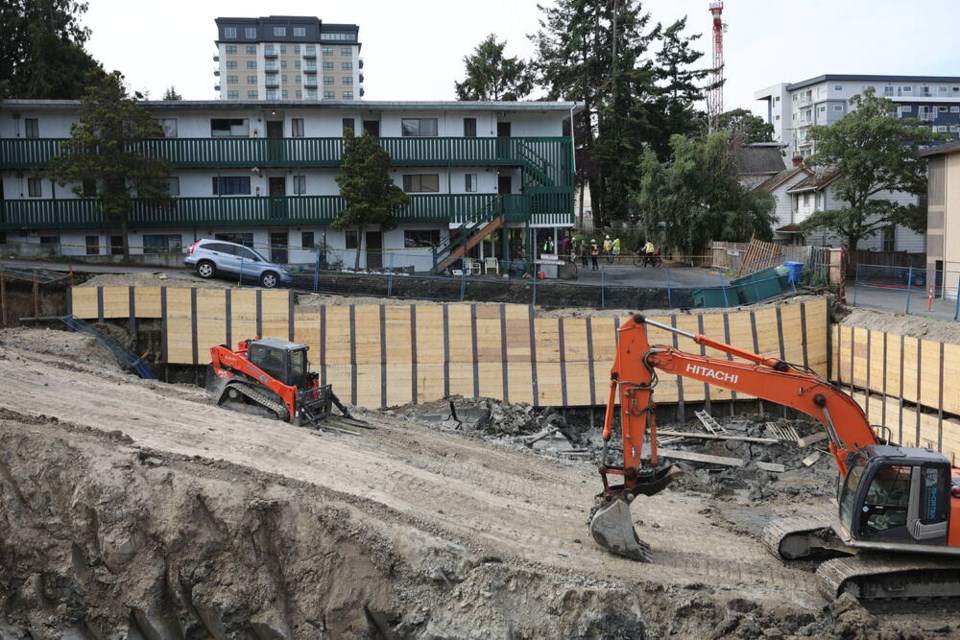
612,524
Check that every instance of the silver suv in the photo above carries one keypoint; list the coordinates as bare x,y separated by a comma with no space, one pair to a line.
220,258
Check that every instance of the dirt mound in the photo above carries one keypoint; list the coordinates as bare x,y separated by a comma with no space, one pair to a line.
902,324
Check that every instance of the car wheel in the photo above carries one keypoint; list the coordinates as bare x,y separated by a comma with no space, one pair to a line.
206,269
269,280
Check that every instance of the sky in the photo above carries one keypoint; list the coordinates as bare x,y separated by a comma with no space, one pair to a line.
414,49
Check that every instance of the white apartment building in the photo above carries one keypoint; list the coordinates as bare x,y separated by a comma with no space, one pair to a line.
287,58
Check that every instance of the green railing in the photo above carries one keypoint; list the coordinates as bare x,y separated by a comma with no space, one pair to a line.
549,157
77,213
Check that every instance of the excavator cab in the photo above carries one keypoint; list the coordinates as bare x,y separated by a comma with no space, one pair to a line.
285,361
896,495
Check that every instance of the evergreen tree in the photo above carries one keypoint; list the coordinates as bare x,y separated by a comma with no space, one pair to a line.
745,126
42,54
171,94
106,149
873,152
365,184
696,196
491,76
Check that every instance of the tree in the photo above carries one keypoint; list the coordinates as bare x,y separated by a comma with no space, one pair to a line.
491,76
747,126
696,197
41,50
365,184
875,155
171,94
106,149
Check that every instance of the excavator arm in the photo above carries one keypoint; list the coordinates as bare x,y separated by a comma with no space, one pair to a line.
632,382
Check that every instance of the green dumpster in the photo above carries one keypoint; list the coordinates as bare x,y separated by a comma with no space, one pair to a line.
714,298
761,285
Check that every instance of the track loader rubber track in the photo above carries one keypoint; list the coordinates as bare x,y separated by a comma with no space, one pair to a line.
257,397
798,537
875,577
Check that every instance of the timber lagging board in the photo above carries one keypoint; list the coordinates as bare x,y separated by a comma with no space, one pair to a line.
500,351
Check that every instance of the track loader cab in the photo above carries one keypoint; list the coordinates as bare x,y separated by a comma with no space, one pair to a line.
285,361
896,497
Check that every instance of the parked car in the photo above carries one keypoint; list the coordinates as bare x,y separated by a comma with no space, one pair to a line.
227,259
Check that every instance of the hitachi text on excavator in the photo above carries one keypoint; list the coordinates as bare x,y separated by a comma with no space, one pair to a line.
897,530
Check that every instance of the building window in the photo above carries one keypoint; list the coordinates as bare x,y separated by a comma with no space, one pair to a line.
230,32
233,94
251,79
311,94
838,107
942,109
299,94
93,245
250,33
283,79
421,237
907,89
941,128
346,66
411,127
272,94
296,49
162,243
421,183
470,183
870,87
299,185
284,94
116,245
348,95
469,127
283,49
889,240
31,127
350,239
328,65
328,79
941,89
233,79
252,95
231,185
955,109
173,186
280,32
296,127
907,108
346,52
231,64
34,187
251,64
329,95
888,90
251,50
955,128
347,80
327,51
231,49
283,65
299,32
347,126
246,239
838,87
296,64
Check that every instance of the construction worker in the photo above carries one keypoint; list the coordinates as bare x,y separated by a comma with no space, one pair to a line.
648,251
594,255
616,249
608,249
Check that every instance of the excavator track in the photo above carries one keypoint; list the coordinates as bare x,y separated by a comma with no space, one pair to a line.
256,396
794,538
875,577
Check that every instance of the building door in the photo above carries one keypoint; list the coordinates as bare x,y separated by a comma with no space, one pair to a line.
504,185
374,242
503,142
278,247
372,128
274,139
278,200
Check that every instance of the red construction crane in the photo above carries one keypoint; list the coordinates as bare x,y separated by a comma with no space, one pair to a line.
715,95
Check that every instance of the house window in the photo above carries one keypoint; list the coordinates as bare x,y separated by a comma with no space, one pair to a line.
421,183
888,90
411,127
231,185
162,243
347,126
229,128
34,187
469,127
116,245
299,184
299,32
955,128
31,127
838,107
421,238
907,89
889,240
806,199
906,108
350,239
246,239
93,245
955,109
231,49
470,182
942,109
250,33
838,87
941,128
230,32
280,32
296,127
251,64
173,186
251,50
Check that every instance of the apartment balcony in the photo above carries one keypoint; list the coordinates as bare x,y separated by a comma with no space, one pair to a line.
247,211
309,68
216,58
270,52
271,68
310,83
272,82
360,63
310,53
549,159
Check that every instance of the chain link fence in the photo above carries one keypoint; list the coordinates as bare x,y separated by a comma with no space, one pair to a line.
911,290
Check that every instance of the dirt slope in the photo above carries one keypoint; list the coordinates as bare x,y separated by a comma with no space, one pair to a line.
132,504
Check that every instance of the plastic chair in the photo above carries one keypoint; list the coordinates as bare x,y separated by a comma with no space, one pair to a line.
491,264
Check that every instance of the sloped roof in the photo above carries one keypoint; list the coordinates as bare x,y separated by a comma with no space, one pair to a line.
818,179
759,160
773,182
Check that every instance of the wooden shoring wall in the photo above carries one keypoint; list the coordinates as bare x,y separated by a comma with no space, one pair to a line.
900,383
387,355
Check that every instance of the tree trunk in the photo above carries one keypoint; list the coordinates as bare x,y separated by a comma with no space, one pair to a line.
360,237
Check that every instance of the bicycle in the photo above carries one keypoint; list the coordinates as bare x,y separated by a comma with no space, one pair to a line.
641,259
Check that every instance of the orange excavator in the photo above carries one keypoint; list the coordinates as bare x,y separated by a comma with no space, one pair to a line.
897,531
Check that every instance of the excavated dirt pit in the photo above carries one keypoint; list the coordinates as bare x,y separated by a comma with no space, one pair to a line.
136,509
